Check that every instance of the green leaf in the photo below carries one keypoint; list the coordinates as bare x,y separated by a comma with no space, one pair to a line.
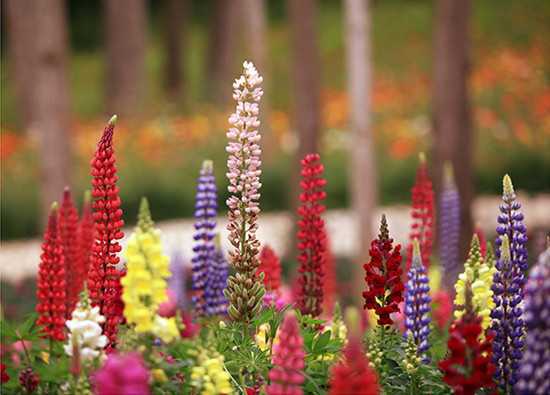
321,343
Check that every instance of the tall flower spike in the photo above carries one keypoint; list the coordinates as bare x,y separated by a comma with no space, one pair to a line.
480,275
468,366
204,251
103,275
311,236
177,281
422,227
507,322
534,369
510,222
482,240
353,375
449,228
244,291
287,375
417,304
215,302
85,237
270,266
68,224
384,289
50,282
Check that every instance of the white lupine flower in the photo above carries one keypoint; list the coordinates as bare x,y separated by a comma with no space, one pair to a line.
85,331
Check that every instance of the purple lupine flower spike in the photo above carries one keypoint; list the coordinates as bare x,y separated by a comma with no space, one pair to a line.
507,322
534,370
205,221
510,222
449,229
216,281
176,282
417,304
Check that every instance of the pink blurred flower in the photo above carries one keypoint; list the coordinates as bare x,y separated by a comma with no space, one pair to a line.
168,309
442,308
122,375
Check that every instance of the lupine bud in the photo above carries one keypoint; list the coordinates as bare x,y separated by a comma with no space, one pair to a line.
29,380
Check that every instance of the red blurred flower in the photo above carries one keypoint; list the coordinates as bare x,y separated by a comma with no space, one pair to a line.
29,380
287,376
50,282
442,308
68,223
423,219
5,377
270,265
104,277
353,375
385,288
311,236
468,366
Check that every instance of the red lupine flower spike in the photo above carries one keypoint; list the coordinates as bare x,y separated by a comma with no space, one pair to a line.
423,220
103,275
50,283
311,236
270,265
384,289
85,236
68,223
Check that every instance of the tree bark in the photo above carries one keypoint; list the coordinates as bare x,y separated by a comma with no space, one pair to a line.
50,100
363,178
221,50
21,41
452,126
174,16
126,27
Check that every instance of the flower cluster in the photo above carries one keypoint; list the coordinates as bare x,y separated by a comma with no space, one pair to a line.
145,285
422,227
468,365
85,237
243,291
286,376
50,282
449,228
103,275
122,374
507,322
384,289
479,275
534,369
270,266
209,377
85,330
29,380
311,236
417,304
74,272
215,302
206,206
353,375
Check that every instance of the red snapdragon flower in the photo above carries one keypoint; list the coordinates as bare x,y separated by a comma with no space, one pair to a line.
385,288
68,224
270,265
353,375
311,236
423,214
468,366
104,276
51,287
85,236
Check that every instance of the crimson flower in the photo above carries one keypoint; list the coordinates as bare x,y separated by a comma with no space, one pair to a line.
311,236
5,376
270,265
50,283
104,276
385,288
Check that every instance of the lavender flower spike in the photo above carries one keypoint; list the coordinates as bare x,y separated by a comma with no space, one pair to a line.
244,289
176,282
534,370
216,281
205,221
417,304
511,224
449,228
507,322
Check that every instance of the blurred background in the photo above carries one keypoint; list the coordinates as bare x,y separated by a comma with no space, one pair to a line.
368,84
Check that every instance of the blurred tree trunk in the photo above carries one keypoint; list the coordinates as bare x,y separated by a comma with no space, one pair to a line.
21,40
174,17
125,29
50,106
221,48
452,128
363,179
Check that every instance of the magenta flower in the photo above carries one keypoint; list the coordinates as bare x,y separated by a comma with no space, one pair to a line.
122,375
